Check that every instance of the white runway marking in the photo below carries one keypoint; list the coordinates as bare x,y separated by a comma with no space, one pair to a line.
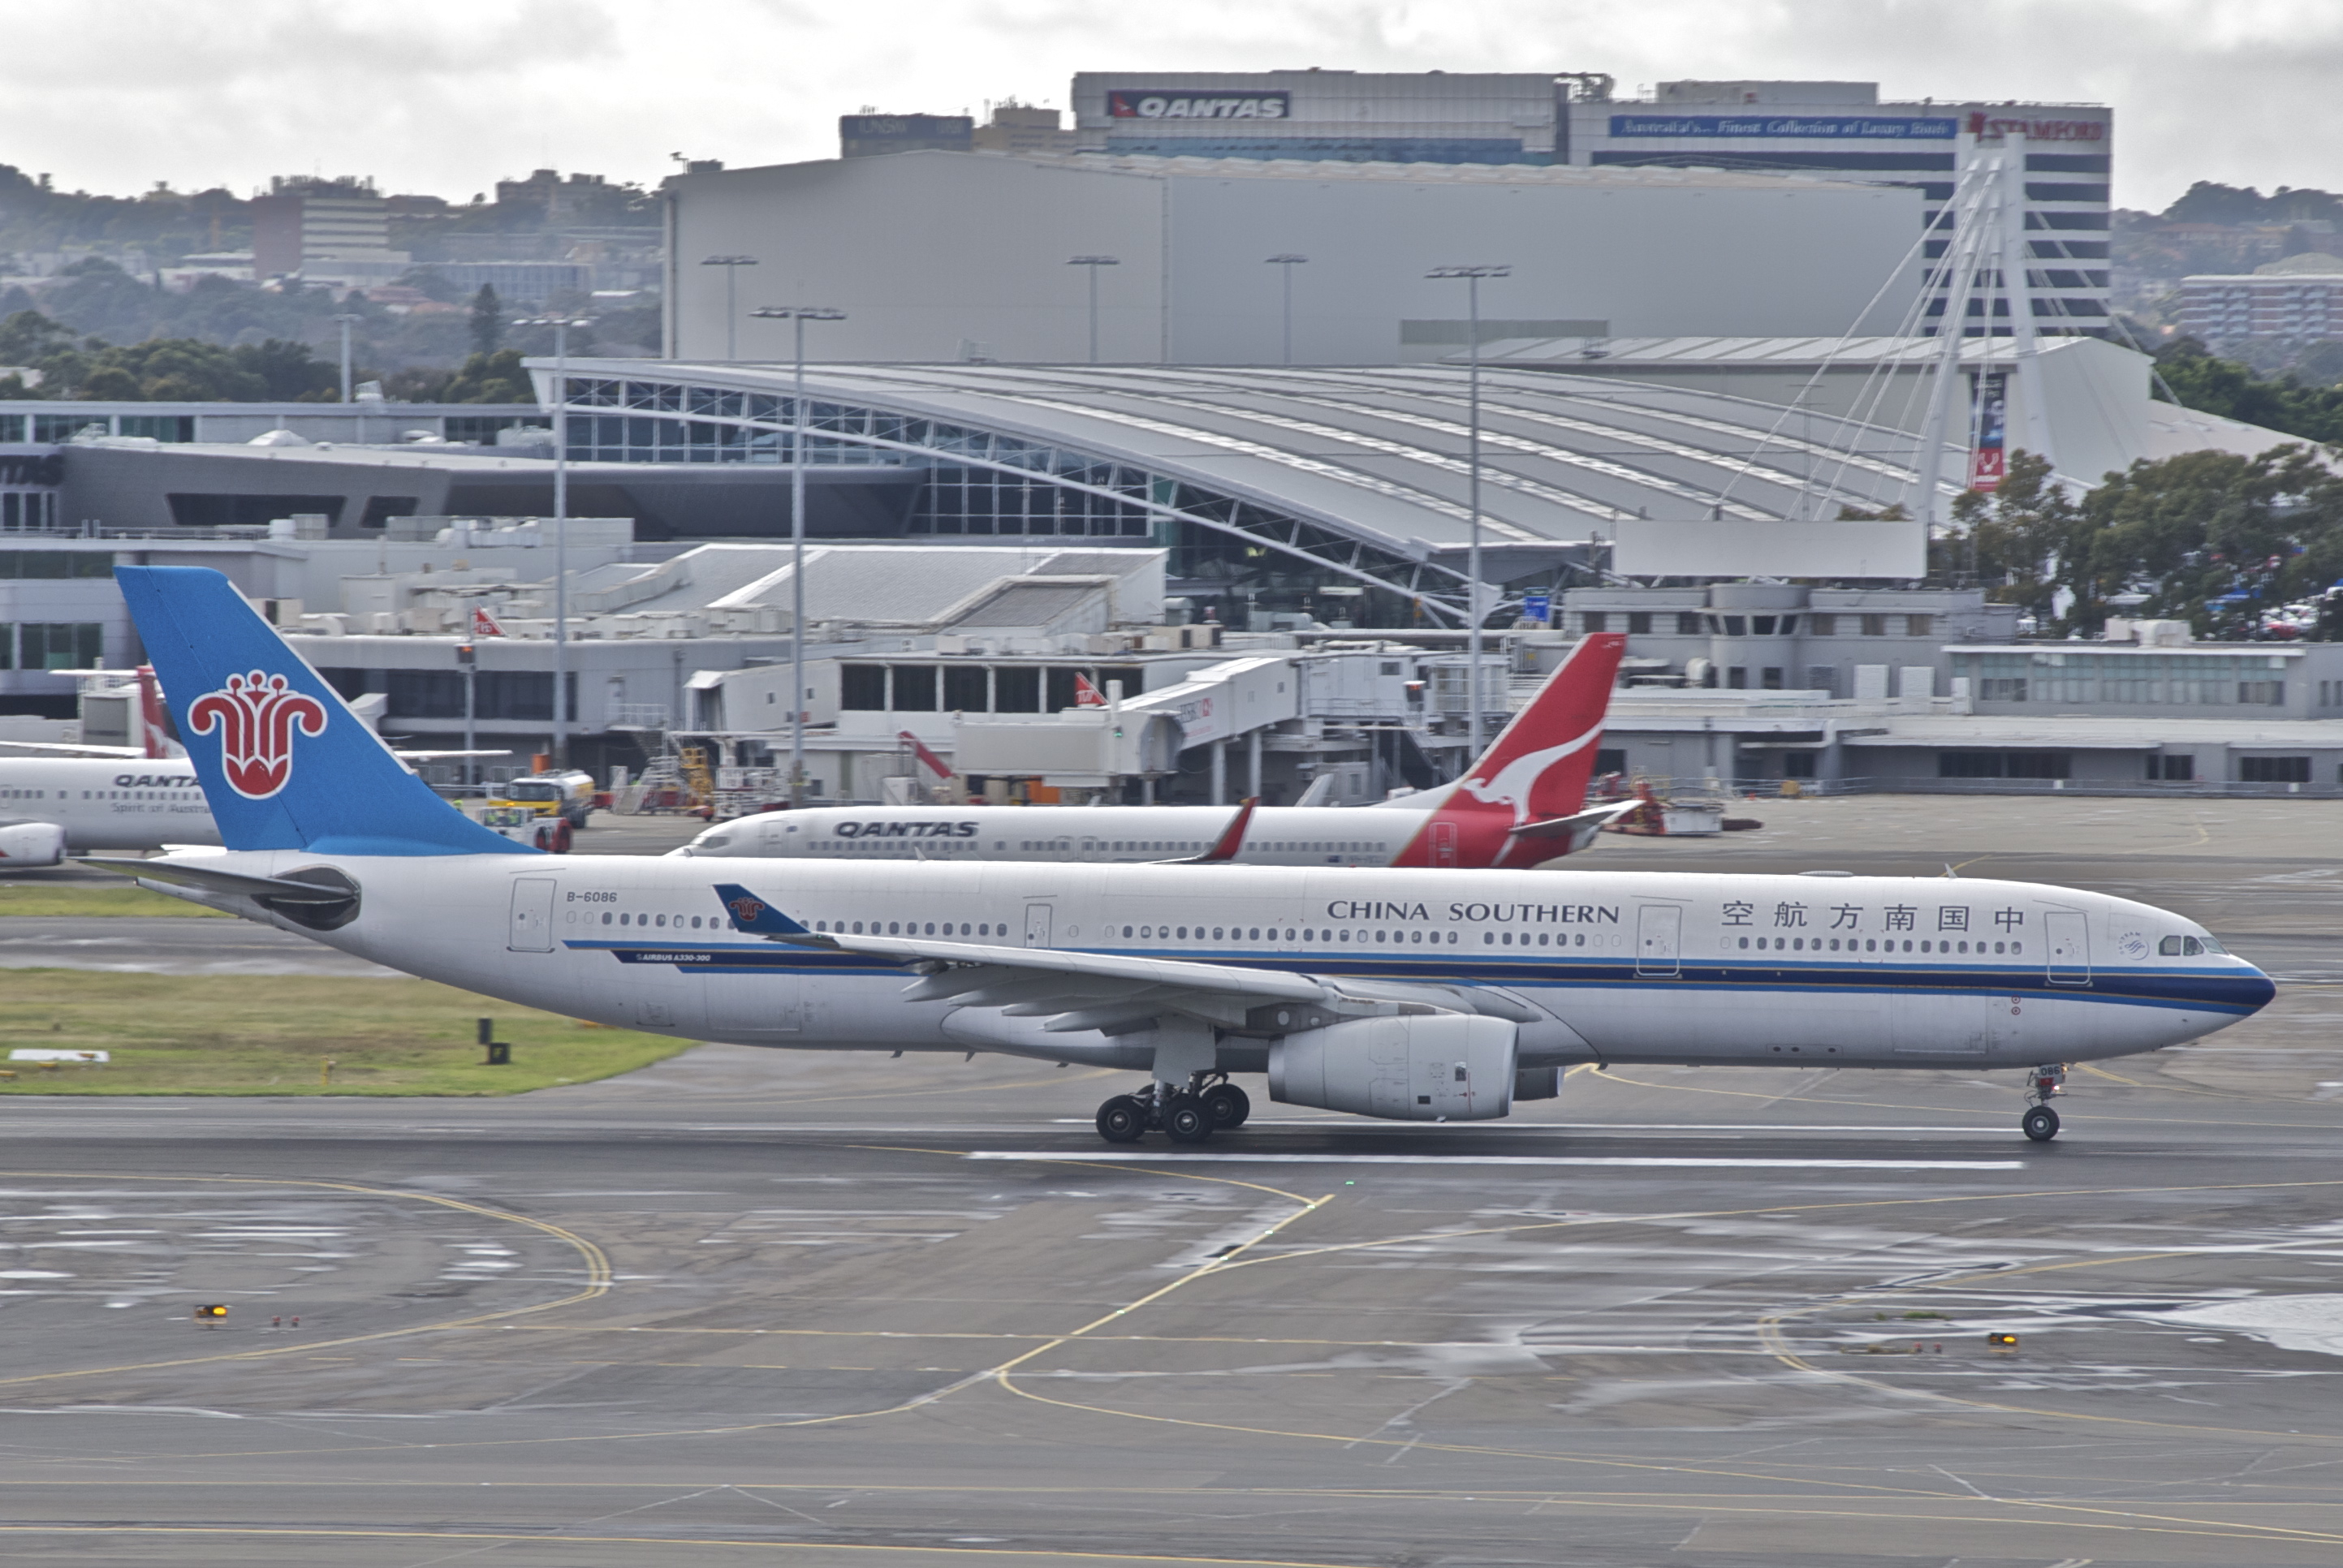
1633,1160
1623,1127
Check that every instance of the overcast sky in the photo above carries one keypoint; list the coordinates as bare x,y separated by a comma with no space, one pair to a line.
446,96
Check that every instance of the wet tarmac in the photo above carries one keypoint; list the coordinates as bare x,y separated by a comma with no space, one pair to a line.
746,1307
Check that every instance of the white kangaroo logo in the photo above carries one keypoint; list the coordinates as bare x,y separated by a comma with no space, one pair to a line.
1516,779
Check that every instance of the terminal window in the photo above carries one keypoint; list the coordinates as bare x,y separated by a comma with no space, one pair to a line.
2273,769
48,645
2004,764
21,564
28,509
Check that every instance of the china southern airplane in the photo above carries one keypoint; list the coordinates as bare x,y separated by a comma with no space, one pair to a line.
1523,801
1415,994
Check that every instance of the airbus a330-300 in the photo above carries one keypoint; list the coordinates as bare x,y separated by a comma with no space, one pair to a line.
1414,994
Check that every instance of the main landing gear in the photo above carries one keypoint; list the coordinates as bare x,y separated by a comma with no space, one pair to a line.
1188,1114
2042,1085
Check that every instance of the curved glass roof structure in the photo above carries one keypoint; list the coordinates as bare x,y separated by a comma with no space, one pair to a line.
1358,473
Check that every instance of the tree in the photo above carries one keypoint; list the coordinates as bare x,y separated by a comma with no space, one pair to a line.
2200,379
491,378
287,371
488,322
2013,538
2201,527
27,337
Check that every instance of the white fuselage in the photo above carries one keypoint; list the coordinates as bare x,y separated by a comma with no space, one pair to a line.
1612,966
1131,835
108,804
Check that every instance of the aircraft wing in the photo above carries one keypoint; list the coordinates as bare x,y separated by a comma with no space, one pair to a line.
1084,990
1225,848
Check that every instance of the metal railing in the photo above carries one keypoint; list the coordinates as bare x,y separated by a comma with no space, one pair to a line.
1774,788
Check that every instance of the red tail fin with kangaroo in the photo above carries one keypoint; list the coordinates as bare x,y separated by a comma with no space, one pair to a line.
1537,767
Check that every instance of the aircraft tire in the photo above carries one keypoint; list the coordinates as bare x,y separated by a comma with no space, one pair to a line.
1187,1120
1121,1120
1228,1105
2041,1124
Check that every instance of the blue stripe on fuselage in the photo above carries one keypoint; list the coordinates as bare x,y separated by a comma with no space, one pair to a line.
2221,991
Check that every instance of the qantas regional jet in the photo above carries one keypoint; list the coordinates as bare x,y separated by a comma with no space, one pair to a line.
1415,994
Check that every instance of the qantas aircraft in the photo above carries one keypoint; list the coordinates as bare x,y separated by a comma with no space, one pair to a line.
1415,994
1520,803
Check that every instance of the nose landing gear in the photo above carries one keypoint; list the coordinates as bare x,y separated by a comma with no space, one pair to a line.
1188,1114
2042,1085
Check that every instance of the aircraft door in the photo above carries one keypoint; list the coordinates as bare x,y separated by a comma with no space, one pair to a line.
2070,947
530,929
1444,844
1659,938
1037,925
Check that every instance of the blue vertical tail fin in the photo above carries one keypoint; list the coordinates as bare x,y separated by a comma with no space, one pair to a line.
285,764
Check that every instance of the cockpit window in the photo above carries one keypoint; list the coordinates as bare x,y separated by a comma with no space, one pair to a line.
2169,947
2211,946
2190,947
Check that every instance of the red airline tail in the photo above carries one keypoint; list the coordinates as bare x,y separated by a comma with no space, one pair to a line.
154,723
1536,768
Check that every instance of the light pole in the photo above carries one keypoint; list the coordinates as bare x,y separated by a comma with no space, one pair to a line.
798,315
732,266
1092,264
561,326
1286,262
1472,277
345,321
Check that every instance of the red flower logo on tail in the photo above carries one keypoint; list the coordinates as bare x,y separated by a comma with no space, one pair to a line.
255,716
746,911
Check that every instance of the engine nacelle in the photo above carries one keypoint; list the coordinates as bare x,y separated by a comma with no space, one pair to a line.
32,844
1424,1067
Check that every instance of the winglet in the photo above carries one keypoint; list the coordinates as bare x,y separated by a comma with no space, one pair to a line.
752,914
1231,839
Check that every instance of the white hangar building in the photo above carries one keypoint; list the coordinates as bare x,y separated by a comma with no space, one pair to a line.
942,257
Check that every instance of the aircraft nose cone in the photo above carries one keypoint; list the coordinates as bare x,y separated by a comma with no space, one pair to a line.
2256,989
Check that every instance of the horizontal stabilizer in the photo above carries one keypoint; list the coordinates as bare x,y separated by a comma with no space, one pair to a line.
1594,818
211,879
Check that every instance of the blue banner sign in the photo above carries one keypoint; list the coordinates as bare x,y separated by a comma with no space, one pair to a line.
1862,127
1537,606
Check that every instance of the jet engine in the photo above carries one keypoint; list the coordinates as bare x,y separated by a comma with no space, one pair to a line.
1421,1066
32,844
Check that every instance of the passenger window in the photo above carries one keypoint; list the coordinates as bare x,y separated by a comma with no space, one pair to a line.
2169,947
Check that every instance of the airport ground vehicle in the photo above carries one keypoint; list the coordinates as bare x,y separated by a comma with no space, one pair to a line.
523,825
1412,994
569,795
